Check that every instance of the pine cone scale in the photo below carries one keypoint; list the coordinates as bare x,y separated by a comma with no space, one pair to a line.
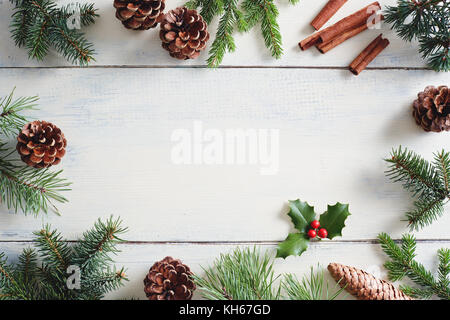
139,14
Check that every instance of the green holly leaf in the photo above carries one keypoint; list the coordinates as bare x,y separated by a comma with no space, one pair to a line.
333,220
301,213
295,244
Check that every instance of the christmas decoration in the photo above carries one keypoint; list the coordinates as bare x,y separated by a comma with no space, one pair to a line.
427,21
244,274
41,144
139,14
428,182
363,285
403,264
312,287
368,55
242,16
169,279
184,33
302,215
21,187
432,109
315,224
39,25
60,271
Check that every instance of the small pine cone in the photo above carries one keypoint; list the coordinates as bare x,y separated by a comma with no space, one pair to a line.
41,144
184,33
169,279
363,285
432,109
139,14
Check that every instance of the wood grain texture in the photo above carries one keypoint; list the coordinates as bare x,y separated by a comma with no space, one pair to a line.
139,258
116,45
333,138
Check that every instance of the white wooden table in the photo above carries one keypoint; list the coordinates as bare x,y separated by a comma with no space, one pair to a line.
335,129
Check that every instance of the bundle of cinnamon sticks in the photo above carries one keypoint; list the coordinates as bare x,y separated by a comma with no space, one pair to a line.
329,38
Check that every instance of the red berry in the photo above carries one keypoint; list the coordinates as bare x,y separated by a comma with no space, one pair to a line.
315,224
323,233
312,233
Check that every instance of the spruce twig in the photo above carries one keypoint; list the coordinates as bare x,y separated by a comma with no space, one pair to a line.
428,182
39,25
403,264
42,274
427,21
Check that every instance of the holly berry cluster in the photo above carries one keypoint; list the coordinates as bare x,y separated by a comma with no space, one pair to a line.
315,231
310,225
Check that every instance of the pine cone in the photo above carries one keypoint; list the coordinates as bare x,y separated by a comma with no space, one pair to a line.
41,144
139,14
363,285
432,109
169,279
183,33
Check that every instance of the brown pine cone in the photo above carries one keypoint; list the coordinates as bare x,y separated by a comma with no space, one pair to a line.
183,33
169,279
41,144
363,285
432,109
139,14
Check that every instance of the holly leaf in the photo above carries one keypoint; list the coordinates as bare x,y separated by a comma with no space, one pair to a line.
334,219
295,244
301,213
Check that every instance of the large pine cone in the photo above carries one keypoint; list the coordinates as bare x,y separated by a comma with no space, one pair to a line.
184,33
41,144
432,109
363,285
139,14
169,279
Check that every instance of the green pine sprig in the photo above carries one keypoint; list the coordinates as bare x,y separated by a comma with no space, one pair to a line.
311,287
428,21
244,274
403,264
39,25
242,16
42,273
21,187
428,182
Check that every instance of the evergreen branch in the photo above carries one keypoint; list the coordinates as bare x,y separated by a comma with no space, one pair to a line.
39,24
224,40
312,287
429,182
11,120
444,270
271,30
94,249
244,274
403,264
96,286
54,251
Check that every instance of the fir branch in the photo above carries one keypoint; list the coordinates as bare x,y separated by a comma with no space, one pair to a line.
40,24
98,243
429,22
244,274
312,287
270,29
427,181
402,264
44,276
11,120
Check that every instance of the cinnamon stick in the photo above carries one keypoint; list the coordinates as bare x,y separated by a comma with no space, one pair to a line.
326,13
348,23
351,22
368,54
327,46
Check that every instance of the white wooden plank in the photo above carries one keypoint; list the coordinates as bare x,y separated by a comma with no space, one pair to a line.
139,258
335,130
116,45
